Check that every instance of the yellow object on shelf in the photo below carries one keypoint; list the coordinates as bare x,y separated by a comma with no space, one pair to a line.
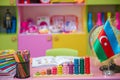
80,1
55,1
67,1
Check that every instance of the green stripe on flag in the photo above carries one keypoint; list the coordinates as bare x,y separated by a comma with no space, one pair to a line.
99,51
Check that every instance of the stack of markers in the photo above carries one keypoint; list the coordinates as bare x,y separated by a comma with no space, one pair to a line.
71,68
48,71
59,69
54,70
65,68
87,65
23,66
76,66
80,66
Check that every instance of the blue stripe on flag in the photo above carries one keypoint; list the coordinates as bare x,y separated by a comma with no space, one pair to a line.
111,37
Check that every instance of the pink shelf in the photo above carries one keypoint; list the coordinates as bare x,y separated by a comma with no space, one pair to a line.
60,4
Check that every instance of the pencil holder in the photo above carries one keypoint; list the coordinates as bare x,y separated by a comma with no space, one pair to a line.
22,69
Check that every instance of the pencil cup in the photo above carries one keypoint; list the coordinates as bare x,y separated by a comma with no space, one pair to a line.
22,70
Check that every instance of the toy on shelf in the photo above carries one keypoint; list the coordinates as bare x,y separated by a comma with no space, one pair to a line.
43,24
21,1
28,26
89,22
67,1
24,1
45,1
118,20
34,1
64,23
8,21
80,1
109,14
99,19
24,27
29,1
103,17
50,1
57,23
31,27
14,24
71,23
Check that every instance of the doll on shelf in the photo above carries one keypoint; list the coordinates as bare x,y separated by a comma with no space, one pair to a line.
43,28
43,22
8,21
71,23
28,27
31,27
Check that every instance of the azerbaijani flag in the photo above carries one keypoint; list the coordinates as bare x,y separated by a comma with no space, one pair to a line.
106,44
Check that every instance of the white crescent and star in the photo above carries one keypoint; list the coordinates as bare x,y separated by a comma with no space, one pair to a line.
103,37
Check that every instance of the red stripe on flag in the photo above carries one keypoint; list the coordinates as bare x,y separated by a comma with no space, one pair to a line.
105,44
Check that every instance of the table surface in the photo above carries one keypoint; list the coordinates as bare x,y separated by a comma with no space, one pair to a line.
95,74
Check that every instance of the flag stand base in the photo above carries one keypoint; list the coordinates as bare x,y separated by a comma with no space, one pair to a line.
110,69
